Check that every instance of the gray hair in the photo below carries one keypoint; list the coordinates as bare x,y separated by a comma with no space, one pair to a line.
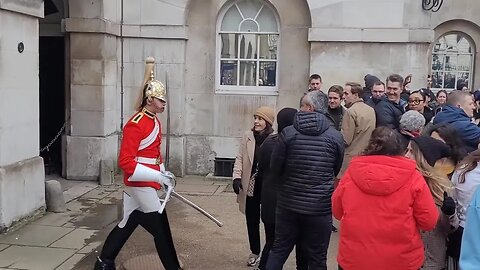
412,121
317,99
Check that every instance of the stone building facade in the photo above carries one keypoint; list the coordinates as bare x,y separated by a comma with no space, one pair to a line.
221,59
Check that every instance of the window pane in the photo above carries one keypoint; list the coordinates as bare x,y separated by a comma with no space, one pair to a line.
437,61
229,46
464,62
228,72
248,46
449,80
464,46
249,8
437,80
268,46
249,26
248,73
462,78
450,62
267,74
266,20
231,20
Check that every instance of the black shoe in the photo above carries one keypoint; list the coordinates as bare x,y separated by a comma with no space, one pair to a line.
104,265
334,229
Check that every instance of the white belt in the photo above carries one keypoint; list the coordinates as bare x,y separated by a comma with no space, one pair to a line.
151,161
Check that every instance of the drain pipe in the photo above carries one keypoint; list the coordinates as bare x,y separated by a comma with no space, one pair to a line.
167,147
121,71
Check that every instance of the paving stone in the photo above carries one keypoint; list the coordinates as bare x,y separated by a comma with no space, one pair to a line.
2,246
54,219
35,235
187,188
90,247
71,262
76,239
37,258
96,194
78,190
146,262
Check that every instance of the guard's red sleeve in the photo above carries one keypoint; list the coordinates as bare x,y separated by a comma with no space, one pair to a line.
132,136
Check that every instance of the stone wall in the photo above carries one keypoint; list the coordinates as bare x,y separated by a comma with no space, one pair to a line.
342,40
22,179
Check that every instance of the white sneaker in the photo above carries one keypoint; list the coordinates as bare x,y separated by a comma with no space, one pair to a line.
253,260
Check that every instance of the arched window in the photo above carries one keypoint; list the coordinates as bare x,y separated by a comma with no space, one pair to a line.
452,62
247,48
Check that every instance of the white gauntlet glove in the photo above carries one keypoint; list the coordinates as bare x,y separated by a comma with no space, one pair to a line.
144,173
167,179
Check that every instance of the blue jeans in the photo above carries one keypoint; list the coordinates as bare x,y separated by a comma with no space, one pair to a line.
311,230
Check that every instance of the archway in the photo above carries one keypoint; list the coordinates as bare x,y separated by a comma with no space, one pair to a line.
52,85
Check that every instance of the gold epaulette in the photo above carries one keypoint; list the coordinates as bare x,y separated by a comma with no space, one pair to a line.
137,117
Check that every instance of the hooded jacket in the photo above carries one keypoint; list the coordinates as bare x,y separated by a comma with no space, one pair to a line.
466,129
382,203
308,155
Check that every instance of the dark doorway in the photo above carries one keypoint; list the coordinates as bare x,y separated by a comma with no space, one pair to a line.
52,100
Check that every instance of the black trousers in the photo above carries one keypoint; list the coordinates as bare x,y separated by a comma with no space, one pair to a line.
157,225
311,231
301,259
252,215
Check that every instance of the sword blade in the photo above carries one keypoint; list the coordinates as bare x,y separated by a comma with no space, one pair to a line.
198,208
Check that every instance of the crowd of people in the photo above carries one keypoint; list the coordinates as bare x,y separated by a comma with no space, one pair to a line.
398,168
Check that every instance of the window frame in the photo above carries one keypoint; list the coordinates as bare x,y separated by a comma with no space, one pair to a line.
241,89
470,72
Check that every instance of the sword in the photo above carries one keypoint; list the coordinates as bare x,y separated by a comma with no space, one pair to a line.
196,207
170,192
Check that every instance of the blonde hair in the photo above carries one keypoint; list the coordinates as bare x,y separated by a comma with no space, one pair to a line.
437,183
149,68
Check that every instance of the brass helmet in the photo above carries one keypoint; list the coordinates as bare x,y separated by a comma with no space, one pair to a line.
153,88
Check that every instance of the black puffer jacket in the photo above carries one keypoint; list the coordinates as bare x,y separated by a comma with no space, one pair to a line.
308,155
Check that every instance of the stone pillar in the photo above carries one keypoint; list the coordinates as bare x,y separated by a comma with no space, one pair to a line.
95,117
22,176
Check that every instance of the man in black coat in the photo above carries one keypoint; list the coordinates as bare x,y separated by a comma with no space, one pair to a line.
308,155
389,110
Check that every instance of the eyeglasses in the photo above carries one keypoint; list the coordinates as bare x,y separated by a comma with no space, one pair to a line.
415,101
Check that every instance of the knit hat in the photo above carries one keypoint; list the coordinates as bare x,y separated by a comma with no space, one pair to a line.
412,121
369,81
266,113
432,149
476,95
285,118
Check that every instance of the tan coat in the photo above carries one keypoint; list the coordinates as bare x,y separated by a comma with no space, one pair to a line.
243,167
357,126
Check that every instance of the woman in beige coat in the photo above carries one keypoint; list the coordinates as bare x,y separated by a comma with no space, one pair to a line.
248,187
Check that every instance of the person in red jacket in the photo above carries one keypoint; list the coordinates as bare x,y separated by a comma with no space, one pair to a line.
382,203
144,174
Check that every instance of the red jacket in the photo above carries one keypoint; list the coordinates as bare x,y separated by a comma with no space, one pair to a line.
136,129
382,203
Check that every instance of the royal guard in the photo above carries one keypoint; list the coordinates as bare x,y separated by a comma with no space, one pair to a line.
144,174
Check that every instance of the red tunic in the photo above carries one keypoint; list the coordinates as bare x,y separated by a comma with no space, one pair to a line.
137,128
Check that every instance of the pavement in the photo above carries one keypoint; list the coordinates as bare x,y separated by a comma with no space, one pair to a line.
73,239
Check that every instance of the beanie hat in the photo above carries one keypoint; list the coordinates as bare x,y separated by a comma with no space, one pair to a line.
285,118
412,121
432,149
266,113
476,95
369,81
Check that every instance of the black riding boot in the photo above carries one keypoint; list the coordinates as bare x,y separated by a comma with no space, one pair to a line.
104,265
